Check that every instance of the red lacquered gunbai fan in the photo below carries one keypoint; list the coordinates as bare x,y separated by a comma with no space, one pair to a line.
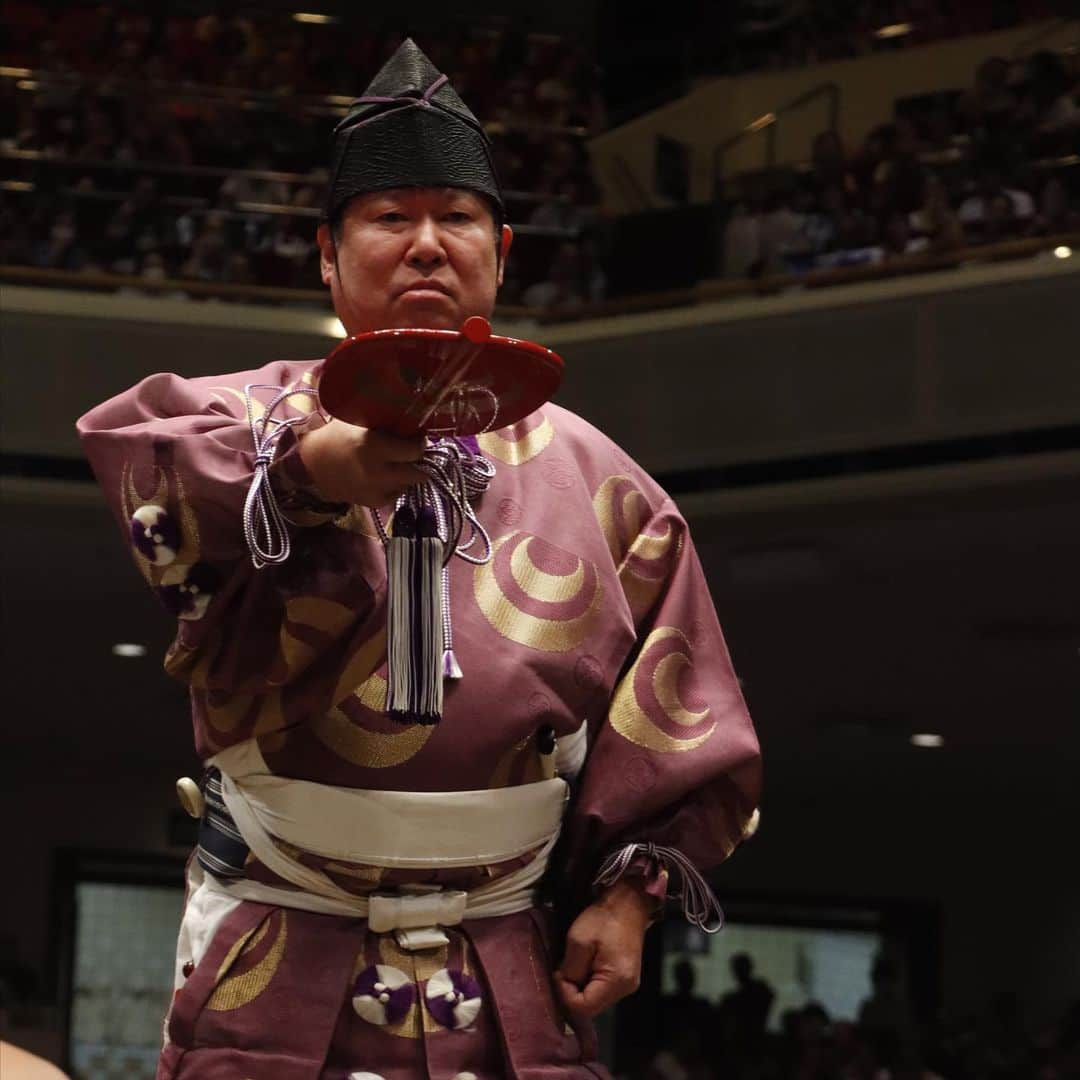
441,382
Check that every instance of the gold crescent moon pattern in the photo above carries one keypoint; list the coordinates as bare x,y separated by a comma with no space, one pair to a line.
520,442
643,549
251,964
652,707
537,594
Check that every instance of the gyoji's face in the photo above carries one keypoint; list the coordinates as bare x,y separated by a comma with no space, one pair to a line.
413,257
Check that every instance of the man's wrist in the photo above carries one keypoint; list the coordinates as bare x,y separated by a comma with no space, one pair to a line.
628,899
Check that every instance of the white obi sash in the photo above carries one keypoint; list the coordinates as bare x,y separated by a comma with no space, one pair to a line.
391,829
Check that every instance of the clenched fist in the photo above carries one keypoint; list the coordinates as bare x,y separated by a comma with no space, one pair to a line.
602,962
351,464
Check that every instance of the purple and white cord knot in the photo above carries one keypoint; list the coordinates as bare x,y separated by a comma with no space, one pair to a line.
265,526
699,904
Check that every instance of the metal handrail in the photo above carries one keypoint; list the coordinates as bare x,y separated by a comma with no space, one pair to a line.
705,292
243,210
769,122
316,104
210,171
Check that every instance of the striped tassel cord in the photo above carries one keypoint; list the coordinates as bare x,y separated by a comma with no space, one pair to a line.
432,523
699,904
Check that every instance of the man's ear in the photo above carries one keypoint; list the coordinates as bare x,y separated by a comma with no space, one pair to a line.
505,240
327,254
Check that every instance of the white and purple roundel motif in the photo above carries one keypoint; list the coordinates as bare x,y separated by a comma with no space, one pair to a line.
453,998
155,534
187,590
383,994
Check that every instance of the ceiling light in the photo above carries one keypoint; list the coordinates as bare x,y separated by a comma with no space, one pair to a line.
1062,251
761,122
314,18
893,30
927,739
127,648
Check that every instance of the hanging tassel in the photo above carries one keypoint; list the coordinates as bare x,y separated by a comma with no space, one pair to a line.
414,558
431,522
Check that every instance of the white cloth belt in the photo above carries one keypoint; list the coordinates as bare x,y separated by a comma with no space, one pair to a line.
389,829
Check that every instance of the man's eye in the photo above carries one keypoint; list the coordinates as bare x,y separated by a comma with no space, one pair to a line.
458,216
392,216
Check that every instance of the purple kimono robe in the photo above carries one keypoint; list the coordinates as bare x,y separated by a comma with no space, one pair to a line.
593,610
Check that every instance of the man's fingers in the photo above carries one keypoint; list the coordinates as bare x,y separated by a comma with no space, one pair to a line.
577,961
570,994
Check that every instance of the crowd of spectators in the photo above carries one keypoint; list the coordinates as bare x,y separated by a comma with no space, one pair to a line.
738,1038
994,162
751,35
120,98
170,146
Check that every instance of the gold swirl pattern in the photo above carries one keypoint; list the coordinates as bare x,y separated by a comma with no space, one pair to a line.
650,706
361,666
238,988
357,732
644,551
519,443
537,594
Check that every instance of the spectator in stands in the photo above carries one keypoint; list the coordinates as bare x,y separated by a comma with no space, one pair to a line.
566,285
60,250
975,211
684,1010
829,164
564,209
153,267
896,237
991,104
887,1009
241,187
741,247
935,220
1050,103
1055,215
209,251
782,231
748,1005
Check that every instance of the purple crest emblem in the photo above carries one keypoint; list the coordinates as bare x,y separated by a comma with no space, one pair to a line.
383,994
155,534
453,998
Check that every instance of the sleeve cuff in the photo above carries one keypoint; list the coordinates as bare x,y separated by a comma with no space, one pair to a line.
651,865
300,500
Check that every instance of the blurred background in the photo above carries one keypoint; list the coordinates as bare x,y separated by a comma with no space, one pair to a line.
812,264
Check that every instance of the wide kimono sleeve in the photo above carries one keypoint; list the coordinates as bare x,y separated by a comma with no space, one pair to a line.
177,460
672,779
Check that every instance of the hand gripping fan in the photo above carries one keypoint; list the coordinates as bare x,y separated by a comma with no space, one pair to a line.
441,382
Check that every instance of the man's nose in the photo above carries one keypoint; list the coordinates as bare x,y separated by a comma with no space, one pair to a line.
426,250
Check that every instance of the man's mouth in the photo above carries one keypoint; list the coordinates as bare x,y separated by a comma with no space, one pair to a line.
425,286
